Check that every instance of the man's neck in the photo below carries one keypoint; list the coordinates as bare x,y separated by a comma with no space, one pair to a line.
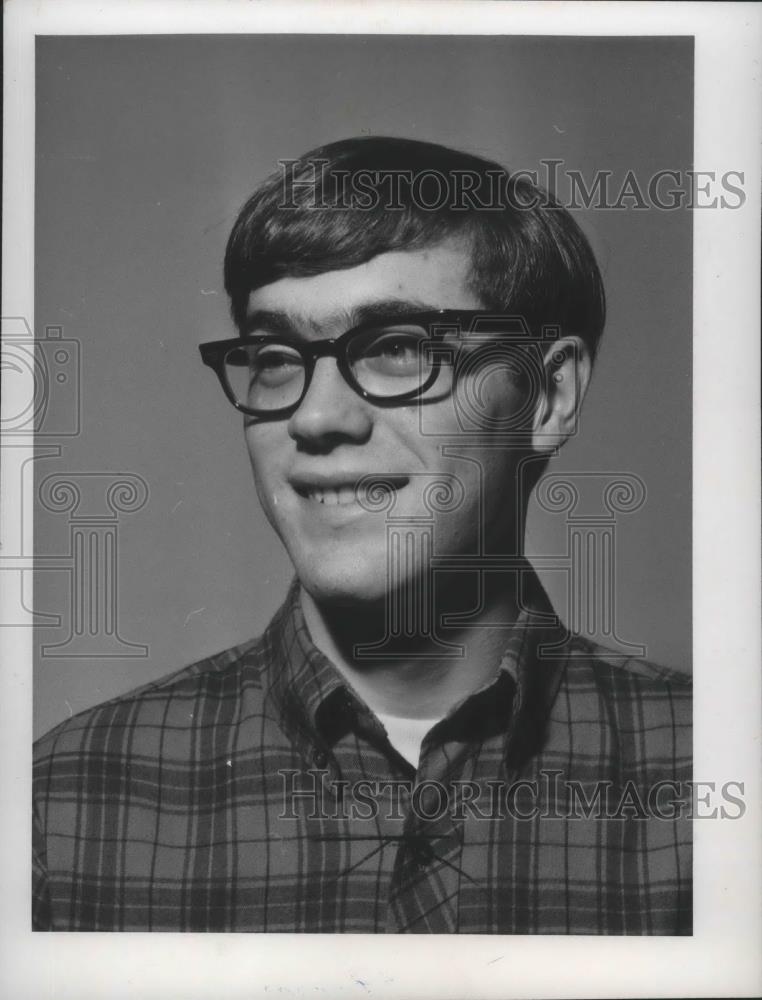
414,678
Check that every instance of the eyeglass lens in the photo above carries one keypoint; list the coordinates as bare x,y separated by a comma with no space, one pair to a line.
385,362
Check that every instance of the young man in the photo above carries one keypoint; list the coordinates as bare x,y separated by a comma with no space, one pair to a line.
415,743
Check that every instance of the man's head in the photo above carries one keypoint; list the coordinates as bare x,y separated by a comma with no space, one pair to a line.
344,203
386,228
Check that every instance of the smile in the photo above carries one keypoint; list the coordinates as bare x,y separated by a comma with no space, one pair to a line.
366,491
333,497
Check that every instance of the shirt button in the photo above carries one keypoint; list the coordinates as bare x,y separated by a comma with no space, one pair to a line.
422,855
319,759
429,801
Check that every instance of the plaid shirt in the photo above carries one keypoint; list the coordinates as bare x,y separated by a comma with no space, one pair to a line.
254,791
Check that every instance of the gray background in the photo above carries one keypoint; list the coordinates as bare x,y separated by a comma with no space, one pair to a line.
146,148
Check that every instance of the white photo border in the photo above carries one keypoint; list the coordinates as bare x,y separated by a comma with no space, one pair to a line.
722,957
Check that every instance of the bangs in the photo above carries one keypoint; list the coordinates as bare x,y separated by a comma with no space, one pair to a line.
343,204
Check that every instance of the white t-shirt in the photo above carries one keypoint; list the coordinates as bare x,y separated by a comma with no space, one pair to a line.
406,735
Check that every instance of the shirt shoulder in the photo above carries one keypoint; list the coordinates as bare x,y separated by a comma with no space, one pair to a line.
628,678
607,662
638,710
186,699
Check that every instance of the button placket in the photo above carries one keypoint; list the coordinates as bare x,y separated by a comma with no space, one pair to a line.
421,852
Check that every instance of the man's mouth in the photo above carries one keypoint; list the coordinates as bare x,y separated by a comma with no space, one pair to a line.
367,491
333,497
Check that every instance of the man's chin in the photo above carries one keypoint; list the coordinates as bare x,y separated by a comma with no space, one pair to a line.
348,575
353,591
351,580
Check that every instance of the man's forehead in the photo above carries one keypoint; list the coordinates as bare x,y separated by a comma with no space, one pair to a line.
420,280
316,322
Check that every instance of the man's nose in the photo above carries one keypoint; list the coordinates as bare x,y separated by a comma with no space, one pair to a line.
331,411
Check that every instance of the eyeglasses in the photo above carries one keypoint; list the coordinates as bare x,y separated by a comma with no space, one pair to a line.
384,361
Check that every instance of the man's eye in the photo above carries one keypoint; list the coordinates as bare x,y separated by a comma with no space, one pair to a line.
395,349
401,348
275,359
269,359
274,365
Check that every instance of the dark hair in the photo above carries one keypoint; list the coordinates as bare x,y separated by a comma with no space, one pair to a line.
342,204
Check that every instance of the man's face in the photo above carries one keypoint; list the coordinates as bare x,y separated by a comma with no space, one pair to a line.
306,466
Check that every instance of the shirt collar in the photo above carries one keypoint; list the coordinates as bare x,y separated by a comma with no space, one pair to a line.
315,705
301,678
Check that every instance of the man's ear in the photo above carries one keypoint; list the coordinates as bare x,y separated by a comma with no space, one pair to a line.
567,373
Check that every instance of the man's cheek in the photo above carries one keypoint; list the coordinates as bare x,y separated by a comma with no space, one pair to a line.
264,483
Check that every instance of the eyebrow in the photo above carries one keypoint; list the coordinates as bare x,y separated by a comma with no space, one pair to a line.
283,323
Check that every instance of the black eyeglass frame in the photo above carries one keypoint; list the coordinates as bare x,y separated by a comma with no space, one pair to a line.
443,321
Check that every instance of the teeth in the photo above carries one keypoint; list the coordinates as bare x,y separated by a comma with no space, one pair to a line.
343,496
333,498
